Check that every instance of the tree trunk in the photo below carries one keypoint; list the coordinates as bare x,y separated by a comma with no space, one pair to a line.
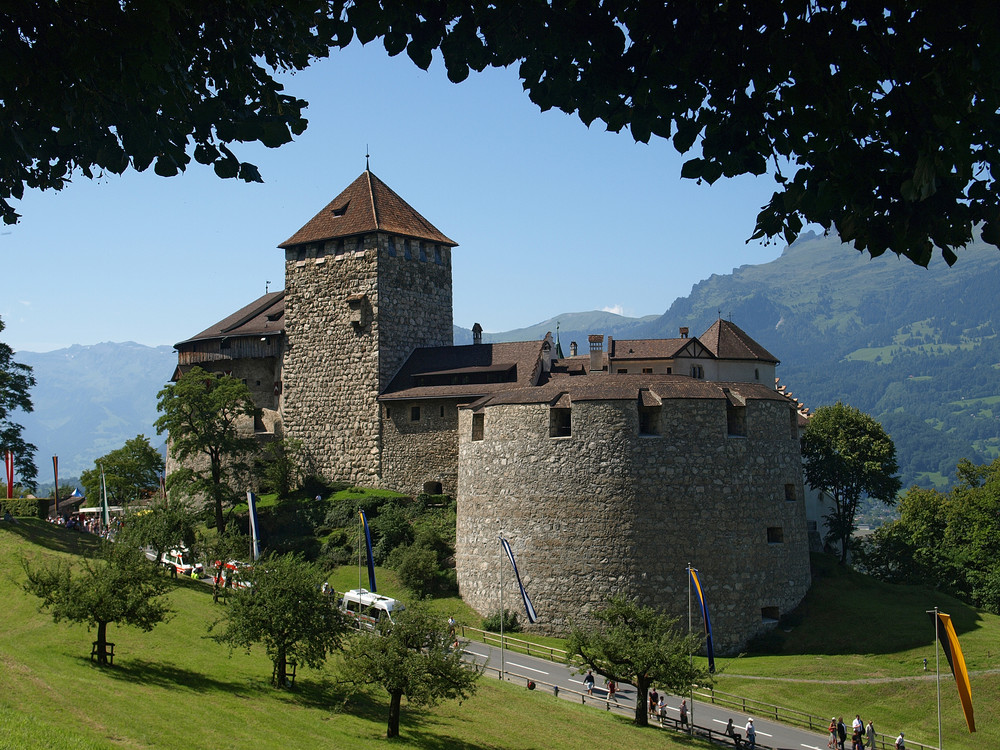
280,673
395,698
102,643
641,702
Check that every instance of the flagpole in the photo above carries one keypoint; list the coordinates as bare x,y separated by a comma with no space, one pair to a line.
502,665
691,655
55,470
937,669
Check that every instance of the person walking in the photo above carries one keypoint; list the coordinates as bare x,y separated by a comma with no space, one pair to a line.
751,733
612,689
857,738
900,743
832,742
654,700
870,735
588,682
841,733
662,708
684,713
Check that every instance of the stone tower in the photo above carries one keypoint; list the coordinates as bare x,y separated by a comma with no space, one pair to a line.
367,280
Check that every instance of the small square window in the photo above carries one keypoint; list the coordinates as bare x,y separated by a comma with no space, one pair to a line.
422,252
769,614
392,247
406,250
623,371
736,420
775,535
647,370
414,413
560,422
437,254
790,493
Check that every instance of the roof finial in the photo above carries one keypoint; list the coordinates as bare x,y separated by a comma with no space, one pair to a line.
366,158
267,286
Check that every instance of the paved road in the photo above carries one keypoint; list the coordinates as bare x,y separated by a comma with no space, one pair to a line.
547,675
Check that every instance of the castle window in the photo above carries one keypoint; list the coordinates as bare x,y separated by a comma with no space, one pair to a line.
422,251
392,247
225,344
756,374
697,371
790,493
560,422
437,254
649,420
388,412
769,614
339,211
647,370
623,371
300,254
736,420
794,416
433,488
414,413
670,371
406,250
339,248
478,426
775,535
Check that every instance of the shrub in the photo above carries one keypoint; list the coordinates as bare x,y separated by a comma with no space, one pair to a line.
418,569
510,622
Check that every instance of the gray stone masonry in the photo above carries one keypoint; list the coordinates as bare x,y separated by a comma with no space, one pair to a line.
609,511
351,320
422,450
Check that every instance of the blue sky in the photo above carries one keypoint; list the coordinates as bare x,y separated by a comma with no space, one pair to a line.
550,216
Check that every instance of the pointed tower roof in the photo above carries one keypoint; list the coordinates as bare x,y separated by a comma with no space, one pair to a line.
726,340
367,205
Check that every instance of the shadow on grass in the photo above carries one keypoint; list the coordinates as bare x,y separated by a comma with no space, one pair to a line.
158,674
846,612
53,537
417,727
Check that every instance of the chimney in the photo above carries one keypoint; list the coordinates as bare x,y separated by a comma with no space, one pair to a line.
684,332
572,348
477,334
596,352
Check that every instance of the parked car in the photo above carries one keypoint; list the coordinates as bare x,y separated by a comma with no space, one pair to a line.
369,609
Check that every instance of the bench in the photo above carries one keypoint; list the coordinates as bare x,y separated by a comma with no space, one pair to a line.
108,652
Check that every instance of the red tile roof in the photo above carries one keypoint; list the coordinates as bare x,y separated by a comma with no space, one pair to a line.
726,340
625,349
262,317
367,205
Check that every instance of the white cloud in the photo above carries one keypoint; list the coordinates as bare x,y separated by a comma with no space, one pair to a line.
616,309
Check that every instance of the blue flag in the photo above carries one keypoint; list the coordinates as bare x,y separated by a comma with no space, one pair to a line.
371,562
524,594
709,647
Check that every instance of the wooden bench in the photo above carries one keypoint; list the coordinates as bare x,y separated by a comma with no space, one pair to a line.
108,652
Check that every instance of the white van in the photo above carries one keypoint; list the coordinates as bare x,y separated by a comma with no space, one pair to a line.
369,609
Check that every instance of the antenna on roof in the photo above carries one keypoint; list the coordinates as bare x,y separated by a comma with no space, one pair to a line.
267,286
720,313
366,157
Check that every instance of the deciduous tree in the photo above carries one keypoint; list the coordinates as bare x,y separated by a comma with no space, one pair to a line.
641,645
848,455
130,472
284,609
16,381
161,527
877,121
203,412
121,586
410,656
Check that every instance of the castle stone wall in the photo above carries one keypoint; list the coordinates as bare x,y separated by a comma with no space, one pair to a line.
351,320
608,511
419,451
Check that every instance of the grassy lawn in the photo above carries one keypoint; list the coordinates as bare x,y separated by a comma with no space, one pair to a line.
176,688
855,646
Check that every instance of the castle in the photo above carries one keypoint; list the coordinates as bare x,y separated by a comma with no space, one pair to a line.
608,471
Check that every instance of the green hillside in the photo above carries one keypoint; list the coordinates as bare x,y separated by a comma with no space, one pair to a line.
916,348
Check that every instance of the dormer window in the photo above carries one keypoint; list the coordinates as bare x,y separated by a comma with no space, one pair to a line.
339,211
